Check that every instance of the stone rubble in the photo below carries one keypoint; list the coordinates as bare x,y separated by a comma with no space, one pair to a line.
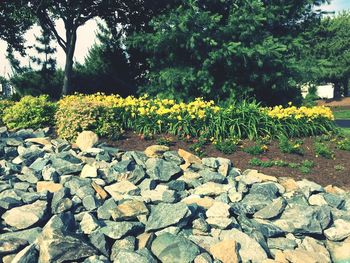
93,203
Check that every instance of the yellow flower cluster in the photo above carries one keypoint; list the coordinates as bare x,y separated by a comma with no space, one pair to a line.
144,106
278,112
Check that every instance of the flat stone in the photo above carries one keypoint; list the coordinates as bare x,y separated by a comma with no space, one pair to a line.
129,209
281,243
175,249
339,231
28,235
119,189
126,244
105,210
312,245
220,222
11,245
267,189
86,140
161,193
211,162
145,240
156,151
302,256
127,256
25,216
162,170
203,258
211,189
273,210
117,230
48,186
164,215
89,171
209,176
41,141
226,251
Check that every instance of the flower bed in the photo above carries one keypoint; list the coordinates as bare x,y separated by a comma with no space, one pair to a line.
111,115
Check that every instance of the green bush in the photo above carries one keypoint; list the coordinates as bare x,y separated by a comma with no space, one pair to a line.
227,146
4,104
30,112
344,144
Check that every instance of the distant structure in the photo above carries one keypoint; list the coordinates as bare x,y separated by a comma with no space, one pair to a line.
6,90
323,91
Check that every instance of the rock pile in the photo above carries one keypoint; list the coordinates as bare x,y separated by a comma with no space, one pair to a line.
92,203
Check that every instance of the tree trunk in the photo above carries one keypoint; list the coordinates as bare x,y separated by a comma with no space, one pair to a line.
346,87
337,90
68,68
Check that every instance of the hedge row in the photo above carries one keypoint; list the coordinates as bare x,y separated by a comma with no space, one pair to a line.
110,116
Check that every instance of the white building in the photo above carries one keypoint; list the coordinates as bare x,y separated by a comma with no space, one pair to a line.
322,91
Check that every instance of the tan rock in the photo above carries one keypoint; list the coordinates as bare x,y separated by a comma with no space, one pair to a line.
156,151
205,202
211,189
225,251
129,209
48,186
334,189
218,209
99,190
185,166
145,240
119,189
89,171
312,245
289,184
302,256
8,259
340,251
280,257
86,140
250,177
189,157
191,175
41,141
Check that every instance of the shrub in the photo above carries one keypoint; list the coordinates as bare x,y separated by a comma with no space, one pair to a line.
292,147
197,147
323,150
30,112
4,104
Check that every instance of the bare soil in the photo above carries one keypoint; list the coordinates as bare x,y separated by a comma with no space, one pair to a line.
324,172
342,102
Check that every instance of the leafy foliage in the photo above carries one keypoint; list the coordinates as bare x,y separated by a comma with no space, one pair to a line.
219,48
323,150
30,112
288,146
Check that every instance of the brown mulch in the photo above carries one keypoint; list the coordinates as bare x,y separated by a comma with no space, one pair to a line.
323,173
342,102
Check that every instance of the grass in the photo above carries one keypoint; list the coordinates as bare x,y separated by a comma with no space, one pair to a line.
341,114
345,132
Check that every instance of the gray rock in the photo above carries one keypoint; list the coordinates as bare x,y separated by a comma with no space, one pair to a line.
50,174
28,235
39,164
173,156
162,170
90,202
105,210
164,215
211,162
169,248
61,201
25,216
130,257
333,200
89,223
256,201
58,244
281,243
117,230
209,176
127,244
100,242
272,210
29,175
11,245
266,189
137,175
310,220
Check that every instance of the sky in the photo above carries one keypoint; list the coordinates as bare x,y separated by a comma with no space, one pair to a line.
86,38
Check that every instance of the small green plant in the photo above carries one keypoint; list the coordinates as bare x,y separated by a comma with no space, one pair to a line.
306,166
258,162
292,147
30,112
227,146
323,150
4,104
256,149
344,144
339,167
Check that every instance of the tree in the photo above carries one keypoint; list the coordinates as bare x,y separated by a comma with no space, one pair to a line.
219,48
15,20
330,52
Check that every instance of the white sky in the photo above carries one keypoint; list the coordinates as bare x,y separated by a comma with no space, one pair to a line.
86,38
